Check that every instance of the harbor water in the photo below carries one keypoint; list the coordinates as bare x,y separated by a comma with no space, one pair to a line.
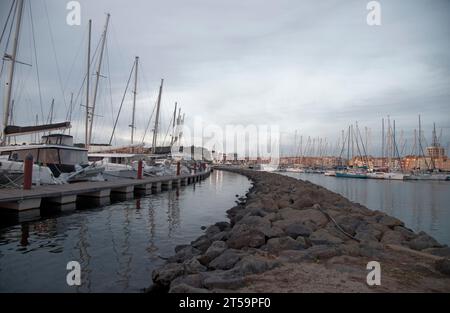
422,205
117,245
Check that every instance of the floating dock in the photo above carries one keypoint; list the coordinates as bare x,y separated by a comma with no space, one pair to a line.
29,204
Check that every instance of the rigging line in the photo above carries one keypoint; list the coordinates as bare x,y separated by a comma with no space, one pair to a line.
36,61
121,103
109,82
7,20
167,132
54,53
9,37
74,61
149,121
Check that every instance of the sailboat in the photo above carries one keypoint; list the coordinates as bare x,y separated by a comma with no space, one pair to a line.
56,160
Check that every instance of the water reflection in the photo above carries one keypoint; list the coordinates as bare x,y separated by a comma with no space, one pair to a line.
118,245
422,205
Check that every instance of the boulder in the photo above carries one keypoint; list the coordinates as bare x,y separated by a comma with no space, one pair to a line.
193,266
184,254
423,241
322,252
348,223
164,275
223,226
390,221
245,236
296,229
202,243
214,250
275,245
322,237
226,260
254,264
392,237
194,280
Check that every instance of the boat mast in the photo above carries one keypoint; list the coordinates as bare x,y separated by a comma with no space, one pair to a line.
136,62
173,125
155,131
86,129
99,65
12,58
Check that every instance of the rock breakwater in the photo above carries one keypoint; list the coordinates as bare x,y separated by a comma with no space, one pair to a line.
288,235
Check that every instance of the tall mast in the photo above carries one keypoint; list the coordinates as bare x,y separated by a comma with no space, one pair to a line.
155,131
382,142
173,125
136,62
12,58
88,74
99,65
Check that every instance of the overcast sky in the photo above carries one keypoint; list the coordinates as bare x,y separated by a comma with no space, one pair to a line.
311,66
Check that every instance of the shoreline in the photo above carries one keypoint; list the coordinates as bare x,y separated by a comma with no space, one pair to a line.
289,235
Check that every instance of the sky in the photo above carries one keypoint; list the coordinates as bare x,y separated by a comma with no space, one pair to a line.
308,66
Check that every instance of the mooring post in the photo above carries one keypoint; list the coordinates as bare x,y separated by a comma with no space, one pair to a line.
178,168
28,172
195,167
139,172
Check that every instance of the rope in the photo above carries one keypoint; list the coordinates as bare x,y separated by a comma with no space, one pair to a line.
337,225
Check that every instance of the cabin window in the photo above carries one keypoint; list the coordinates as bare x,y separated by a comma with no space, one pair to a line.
20,155
72,157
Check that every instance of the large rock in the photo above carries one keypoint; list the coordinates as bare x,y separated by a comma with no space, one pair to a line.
322,252
423,241
275,245
392,237
193,266
184,254
246,236
164,275
296,229
348,223
390,221
226,260
214,250
254,264
322,236
368,232
194,280
202,243
407,233
303,216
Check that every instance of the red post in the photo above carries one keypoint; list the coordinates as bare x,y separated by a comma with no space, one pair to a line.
195,167
139,172
178,168
28,172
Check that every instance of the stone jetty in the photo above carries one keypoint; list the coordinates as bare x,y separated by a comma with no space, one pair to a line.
289,235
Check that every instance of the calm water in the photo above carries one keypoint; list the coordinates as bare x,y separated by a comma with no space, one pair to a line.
421,205
117,245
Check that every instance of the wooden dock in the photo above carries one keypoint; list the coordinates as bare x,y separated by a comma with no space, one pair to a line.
28,204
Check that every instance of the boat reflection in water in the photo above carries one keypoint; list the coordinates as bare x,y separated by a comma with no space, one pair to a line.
117,245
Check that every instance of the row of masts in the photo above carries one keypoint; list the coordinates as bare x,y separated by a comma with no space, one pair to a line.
91,98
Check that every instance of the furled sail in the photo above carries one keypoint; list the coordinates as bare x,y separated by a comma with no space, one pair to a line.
12,130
